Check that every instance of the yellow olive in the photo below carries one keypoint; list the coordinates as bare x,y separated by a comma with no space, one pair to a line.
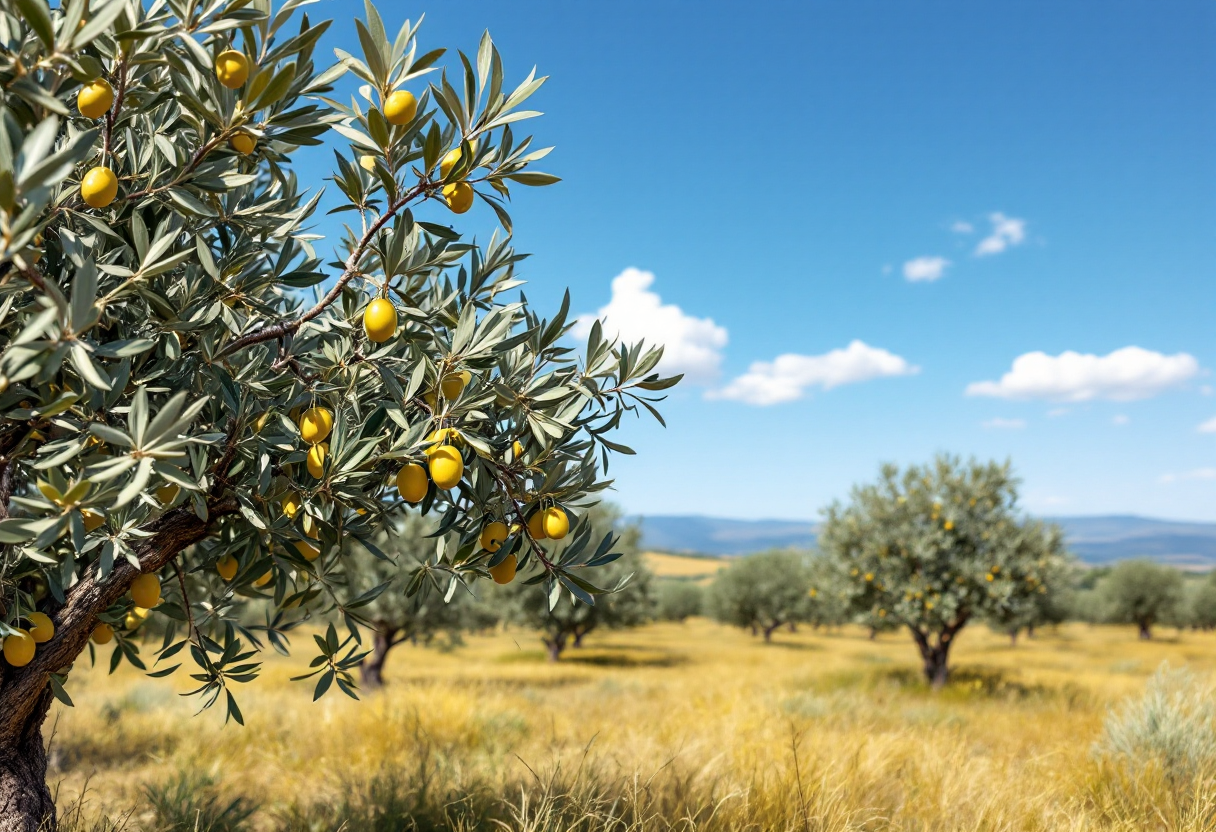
459,196
99,187
400,107
145,591
493,535
446,466
411,482
557,524
42,629
504,572
95,98
380,320
232,68
19,648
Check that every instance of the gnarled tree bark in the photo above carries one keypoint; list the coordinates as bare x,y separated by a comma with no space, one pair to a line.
25,694
935,652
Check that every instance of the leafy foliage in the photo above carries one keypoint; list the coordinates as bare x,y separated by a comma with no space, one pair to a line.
935,546
159,350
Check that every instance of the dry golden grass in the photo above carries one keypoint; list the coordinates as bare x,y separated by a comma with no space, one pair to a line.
816,731
687,567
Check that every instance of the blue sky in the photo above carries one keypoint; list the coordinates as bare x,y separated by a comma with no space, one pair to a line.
946,187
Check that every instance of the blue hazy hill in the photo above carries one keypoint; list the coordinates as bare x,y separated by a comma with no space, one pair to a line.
1095,540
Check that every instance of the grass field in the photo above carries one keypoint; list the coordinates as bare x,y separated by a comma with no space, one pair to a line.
686,567
691,726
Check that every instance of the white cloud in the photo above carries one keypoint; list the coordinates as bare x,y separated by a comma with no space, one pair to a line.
1006,232
925,268
691,345
1057,412
1196,474
962,227
1119,420
1123,375
788,377
1004,424
1208,427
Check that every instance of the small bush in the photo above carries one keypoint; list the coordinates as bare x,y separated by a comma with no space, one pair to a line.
1173,726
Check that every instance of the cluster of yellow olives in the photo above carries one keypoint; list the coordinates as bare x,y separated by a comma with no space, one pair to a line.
19,648
145,594
315,424
445,467
99,187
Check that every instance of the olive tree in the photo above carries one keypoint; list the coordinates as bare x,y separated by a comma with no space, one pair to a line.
199,403
1051,602
1203,603
678,600
395,617
566,623
763,592
934,546
1140,592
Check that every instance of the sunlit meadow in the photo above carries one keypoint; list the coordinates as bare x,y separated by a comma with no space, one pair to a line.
671,726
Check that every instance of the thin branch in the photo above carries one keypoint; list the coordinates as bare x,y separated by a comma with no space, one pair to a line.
112,114
351,269
181,580
220,472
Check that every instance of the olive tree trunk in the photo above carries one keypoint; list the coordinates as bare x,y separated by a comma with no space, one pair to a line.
25,695
935,652
25,800
555,644
371,672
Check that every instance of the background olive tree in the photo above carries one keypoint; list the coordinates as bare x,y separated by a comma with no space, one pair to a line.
763,592
631,602
196,409
1140,592
678,600
937,545
396,618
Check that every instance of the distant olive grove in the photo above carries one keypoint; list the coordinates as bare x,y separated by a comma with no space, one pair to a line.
926,551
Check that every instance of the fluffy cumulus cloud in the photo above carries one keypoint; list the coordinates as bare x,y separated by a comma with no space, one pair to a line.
1005,424
1123,375
925,268
789,377
1209,426
1006,232
691,345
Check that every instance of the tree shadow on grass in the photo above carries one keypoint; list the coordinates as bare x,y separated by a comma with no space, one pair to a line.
793,645
602,658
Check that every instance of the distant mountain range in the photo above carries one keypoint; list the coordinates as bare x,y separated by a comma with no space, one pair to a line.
1095,540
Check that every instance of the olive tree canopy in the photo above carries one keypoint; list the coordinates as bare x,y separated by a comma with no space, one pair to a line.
937,545
201,398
